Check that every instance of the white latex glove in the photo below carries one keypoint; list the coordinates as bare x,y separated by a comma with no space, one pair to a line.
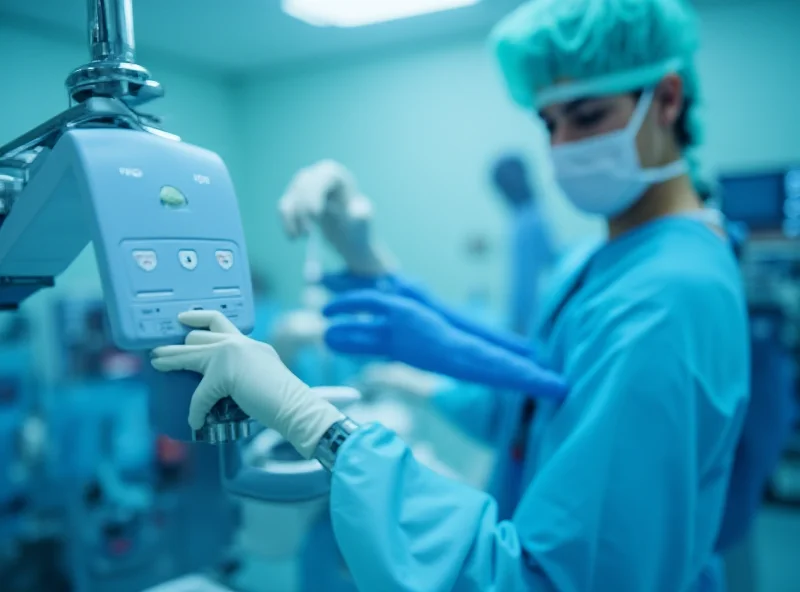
252,374
397,377
326,194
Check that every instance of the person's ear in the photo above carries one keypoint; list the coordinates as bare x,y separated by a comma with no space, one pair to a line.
669,99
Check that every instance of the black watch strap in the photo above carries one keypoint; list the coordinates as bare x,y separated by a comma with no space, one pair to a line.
332,440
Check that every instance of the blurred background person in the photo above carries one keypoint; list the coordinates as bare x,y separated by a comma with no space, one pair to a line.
532,252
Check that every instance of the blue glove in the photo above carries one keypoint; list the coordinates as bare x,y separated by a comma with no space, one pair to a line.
392,284
405,330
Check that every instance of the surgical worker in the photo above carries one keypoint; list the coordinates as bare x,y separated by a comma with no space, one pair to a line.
532,251
619,486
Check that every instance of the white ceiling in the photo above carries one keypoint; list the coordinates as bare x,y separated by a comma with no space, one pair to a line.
237,35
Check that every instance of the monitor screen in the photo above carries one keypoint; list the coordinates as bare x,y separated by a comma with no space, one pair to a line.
757,200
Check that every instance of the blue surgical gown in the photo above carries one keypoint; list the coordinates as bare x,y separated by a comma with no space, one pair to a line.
621,487
532,254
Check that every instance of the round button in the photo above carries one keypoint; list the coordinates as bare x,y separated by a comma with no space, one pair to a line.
146,260
188,259
225,259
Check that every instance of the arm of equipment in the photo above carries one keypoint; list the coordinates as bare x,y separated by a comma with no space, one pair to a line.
162,215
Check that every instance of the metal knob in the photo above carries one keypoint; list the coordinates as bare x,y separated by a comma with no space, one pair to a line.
228,423
225,423
130,83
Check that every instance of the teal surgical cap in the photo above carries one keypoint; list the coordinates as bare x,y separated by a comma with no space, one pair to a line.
551,51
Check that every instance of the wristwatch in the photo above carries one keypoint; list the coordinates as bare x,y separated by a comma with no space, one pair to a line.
332,440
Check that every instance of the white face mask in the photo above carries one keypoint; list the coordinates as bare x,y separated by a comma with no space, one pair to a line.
603,175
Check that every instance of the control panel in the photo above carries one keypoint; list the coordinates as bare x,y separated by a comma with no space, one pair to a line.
171,276
167,234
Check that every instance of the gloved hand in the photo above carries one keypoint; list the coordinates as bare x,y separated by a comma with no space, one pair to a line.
252,374
340,283
326,194
404,330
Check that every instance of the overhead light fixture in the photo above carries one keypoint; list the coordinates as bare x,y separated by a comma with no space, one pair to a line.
358,13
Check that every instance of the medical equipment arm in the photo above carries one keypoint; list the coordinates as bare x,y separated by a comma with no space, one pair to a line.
341,283
609,509
35,246
104,173
404,330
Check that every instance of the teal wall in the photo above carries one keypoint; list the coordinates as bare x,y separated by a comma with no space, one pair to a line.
749,68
